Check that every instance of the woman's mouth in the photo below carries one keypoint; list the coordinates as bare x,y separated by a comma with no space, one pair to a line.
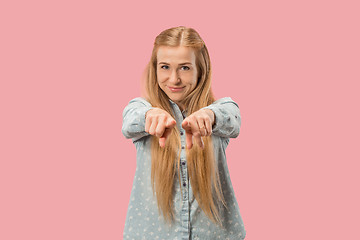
176,89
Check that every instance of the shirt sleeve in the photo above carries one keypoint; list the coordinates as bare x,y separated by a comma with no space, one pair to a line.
133,125
227,117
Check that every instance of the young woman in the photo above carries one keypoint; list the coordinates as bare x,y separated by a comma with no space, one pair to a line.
182,188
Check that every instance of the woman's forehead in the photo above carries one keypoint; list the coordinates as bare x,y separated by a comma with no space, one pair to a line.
175,54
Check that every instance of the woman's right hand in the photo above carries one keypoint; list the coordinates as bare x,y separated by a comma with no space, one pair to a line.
159,123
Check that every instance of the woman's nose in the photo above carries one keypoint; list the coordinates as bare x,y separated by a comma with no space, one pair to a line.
174,77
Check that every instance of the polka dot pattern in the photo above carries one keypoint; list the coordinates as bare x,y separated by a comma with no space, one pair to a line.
143,220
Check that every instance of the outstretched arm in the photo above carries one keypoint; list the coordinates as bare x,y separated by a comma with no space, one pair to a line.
141,119
133,125
227,117
221,118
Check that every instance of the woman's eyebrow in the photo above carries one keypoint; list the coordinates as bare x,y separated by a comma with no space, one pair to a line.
179,63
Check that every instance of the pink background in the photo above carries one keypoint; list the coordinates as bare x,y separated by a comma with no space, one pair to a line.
68,68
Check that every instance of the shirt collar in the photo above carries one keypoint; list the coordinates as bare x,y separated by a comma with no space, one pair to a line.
184,113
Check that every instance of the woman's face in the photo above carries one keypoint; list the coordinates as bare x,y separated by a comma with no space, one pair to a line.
176,72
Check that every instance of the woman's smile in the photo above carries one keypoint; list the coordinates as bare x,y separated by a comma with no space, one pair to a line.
176,89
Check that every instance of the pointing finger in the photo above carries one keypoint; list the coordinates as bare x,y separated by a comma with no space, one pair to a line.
163,138
189,142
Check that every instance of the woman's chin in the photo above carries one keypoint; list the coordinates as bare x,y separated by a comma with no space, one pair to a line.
175,98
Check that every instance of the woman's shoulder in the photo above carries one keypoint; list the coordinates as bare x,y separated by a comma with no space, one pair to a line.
140,100
224,100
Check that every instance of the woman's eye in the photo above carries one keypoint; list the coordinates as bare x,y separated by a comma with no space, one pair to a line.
187,68
164,66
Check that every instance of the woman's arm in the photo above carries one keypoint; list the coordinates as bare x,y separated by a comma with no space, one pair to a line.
133,125
227,117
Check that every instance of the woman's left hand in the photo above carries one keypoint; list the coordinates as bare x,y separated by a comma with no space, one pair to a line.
197,125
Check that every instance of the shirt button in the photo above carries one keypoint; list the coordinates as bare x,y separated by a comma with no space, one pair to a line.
183,147
184,184
183,163
181,133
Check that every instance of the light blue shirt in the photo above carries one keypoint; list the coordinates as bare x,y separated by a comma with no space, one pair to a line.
143,220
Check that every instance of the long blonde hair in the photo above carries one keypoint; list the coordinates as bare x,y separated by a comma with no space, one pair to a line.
202,169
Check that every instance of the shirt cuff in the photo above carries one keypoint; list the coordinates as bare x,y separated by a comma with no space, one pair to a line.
142,122
219,119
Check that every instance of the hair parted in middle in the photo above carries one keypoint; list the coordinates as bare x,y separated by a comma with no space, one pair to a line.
202,168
